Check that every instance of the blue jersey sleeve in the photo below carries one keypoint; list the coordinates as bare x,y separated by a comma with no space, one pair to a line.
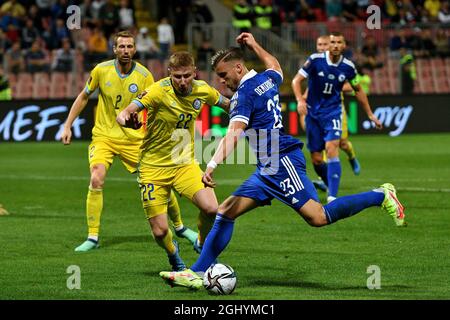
307,67
276,76
241,108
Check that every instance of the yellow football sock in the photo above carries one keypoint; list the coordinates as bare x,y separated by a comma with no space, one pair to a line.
350,151
174,212
204,224
94,207
166,242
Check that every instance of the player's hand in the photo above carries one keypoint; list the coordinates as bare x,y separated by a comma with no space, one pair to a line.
301,107
377,122
66,136
246,38
207,178
132,121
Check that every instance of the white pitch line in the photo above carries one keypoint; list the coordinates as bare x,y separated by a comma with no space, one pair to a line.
227,182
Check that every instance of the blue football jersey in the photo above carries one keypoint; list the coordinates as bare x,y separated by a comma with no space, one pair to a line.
257,104
325,82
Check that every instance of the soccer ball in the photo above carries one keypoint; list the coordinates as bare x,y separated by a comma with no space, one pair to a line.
219,279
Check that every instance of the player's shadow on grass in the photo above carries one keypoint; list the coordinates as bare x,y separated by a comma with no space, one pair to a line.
317,285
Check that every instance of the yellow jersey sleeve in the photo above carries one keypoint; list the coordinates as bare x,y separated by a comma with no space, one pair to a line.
92,82
213,96
148,99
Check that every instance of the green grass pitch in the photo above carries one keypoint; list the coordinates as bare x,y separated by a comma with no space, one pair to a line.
275,254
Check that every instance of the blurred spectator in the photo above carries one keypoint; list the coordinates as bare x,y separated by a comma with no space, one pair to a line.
63,58
12,33
371,54
442,44
428,48
291,10
349,10
145,46
397,41
306,12
87,12
263,14
5,90
15,59
95,8
408,72
36,17
202,15
5,44
204,55
126,15
180,11
391,10
59,10
13,12
165,38
109,15
333,9
60,32
444,13
364,79
433,7
44,7
242,16
29,34
36,58
97,49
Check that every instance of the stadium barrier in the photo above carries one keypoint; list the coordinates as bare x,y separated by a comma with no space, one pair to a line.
42,120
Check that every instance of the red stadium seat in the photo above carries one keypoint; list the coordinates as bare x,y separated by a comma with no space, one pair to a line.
24,88
58,84
41,82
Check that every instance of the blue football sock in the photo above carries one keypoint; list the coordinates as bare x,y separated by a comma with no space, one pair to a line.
321,170
347,206
216,241
334,176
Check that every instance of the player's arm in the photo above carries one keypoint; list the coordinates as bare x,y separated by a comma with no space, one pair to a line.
270,62
347,87
225,148
364,102
77,107
128,117
224,103
299,95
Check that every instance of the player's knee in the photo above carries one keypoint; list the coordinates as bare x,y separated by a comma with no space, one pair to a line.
317,221
97,182
343,145
159,232
317,159
210,209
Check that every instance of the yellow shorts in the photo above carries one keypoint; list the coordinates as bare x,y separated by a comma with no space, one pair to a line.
155,184
103,151
344,134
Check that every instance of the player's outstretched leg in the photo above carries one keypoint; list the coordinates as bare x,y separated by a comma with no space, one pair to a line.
392,205
186,278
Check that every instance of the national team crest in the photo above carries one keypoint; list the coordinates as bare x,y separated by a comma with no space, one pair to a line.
133,88
197,104
341,78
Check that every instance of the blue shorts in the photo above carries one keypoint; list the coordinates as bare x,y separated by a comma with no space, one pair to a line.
319,131
289,184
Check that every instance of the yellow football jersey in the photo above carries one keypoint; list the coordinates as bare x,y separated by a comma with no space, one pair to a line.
169,140
115,93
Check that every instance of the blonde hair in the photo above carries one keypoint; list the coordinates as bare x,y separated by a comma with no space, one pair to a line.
181,59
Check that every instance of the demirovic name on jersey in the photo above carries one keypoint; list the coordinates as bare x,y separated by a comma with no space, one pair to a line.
257,104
